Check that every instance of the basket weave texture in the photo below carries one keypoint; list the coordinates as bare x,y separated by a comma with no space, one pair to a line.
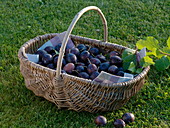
70,91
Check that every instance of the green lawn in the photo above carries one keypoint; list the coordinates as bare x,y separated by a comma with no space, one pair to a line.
128,21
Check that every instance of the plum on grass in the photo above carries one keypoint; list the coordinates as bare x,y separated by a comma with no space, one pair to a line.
113,69
116,60
84,55
94,75
94,51
100,121
128,118
104,66
69,68
47,58
71,58
91,68
83,75
119,123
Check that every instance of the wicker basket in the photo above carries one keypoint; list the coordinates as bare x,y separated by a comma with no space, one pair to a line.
70,91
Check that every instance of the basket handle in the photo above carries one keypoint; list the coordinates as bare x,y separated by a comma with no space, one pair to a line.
69,30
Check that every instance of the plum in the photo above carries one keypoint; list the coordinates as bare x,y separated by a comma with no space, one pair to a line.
69,68
81,47
80,68
75,51
94,51
128,118
94,75
84,55
113,53
116,60
83,75
55,60
95,61
104,66
101,57
58,46
113,69
119,123
51,65
41,53
49,49
47,58
91,57
121,69
40,63
120,73
71,58
100,121
80,64
91,68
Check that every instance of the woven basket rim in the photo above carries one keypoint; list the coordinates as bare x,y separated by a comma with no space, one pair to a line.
23,57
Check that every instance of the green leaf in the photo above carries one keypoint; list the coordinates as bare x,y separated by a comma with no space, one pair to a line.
159,54
126,65
166,50
168,42
162,64
127,60
146,61
127,52
150,43
139,70
153,52
132,67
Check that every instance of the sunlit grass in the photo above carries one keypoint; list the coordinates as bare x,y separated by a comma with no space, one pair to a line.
128,21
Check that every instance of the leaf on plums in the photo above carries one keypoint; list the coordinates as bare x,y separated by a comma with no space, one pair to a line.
127,52
132,67
162,64
139,70
127,60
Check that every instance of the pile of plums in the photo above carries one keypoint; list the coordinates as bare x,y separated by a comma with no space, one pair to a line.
118,123
83,61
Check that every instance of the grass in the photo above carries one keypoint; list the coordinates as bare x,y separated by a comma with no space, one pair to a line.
128,21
